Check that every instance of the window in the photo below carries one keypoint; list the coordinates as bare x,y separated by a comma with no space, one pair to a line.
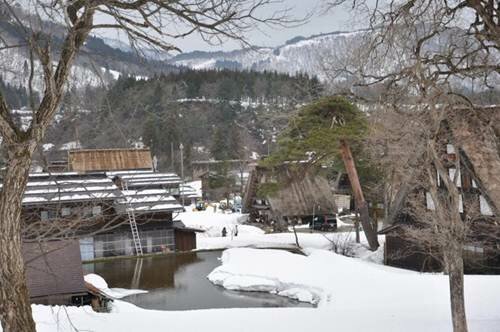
44,215
484,207
87,211
96,210
452,172
65,212
474,249
429,201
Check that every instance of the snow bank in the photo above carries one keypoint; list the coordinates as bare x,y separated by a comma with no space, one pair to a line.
96,280
344,242
115,293
237,272
347,286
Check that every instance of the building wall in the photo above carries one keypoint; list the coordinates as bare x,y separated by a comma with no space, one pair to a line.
185,240
120,243
400,253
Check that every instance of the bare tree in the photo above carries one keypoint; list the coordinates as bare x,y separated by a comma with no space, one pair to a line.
53,33
425,53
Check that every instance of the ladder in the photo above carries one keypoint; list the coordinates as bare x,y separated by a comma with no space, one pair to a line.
133,224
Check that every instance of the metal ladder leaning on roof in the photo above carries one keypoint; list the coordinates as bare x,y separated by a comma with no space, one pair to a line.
133,224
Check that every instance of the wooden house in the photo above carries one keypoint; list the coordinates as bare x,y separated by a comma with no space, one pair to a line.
111,203
201,167
479,201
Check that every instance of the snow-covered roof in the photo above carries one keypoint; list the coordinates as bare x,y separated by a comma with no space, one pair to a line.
146,191
189,192
144,179
68,187
148,200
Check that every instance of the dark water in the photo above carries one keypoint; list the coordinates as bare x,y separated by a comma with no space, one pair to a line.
178,282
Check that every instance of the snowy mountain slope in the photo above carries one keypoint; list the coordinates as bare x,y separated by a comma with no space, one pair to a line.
299,55
329,53
99,62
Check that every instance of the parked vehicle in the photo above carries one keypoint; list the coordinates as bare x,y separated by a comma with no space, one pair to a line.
323,223
201,206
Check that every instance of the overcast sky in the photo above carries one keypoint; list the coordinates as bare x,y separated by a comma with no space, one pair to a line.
338,20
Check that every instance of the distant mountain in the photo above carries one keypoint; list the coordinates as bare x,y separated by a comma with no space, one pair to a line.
100,61
299,54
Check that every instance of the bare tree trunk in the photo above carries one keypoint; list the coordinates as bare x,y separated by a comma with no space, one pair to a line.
296,236
356,227
359,199
15,308
455,268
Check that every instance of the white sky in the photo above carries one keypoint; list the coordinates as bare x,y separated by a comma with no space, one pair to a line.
339,19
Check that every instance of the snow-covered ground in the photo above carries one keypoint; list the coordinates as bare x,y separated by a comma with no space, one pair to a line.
212,224
353,294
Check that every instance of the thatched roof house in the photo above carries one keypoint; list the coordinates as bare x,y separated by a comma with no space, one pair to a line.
473,135
285,193
302,197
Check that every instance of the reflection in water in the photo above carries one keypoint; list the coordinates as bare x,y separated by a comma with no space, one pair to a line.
179,282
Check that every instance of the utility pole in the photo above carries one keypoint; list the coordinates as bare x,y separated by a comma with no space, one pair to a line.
181,147
172,157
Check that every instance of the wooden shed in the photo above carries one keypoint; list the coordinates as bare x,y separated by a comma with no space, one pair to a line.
185,237
109,160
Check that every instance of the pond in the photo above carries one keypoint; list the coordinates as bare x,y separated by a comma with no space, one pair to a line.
179,282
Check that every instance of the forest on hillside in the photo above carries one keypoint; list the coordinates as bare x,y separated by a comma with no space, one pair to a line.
219,114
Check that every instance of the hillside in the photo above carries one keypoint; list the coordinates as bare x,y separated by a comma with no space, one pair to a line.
215,114
98,63
299,55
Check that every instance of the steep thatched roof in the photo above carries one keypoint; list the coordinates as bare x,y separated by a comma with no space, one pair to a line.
477,133
303,195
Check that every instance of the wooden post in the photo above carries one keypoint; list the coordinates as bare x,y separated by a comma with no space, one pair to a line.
359,199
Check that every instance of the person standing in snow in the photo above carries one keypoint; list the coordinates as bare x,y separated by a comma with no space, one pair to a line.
236,230
224,232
